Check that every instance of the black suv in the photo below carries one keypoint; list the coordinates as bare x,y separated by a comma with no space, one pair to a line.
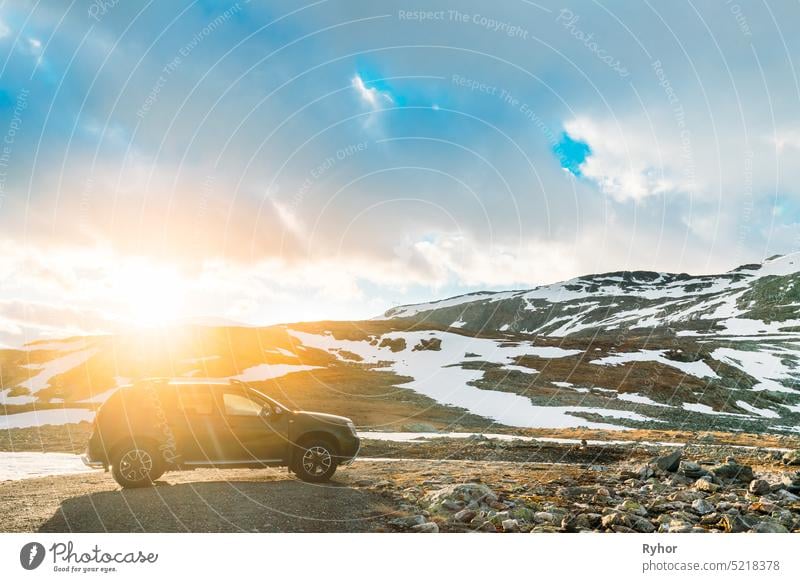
159,425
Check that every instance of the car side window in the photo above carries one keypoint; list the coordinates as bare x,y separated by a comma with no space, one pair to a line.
240,405
195,401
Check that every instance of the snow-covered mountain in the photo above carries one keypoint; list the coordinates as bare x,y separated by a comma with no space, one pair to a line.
750,300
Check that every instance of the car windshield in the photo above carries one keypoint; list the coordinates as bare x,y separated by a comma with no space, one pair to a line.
267,398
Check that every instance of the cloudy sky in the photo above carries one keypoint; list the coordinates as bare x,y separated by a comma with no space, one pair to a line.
277,161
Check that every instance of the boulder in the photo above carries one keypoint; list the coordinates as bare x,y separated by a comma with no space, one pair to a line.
642,525
763,507
702,507
758,487
465,515
510,525
675,526
692,470
791,483
645,472
733,523
545,517
670,462
473,496
791,458
408,521
429,527
733,471
787,495
587,520
768,526
631,506
705,484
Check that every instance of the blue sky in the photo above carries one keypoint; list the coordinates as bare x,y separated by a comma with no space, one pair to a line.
264,162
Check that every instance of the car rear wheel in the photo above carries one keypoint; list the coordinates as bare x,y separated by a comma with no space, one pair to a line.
136,465
316,461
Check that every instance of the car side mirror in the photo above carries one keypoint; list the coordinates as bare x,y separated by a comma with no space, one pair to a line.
266,412
278,411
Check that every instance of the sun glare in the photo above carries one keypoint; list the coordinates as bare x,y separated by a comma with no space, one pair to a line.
149,295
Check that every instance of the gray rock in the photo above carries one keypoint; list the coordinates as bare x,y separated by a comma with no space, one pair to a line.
702,507
419,427
675,526
692,470
452,505
619,519
465,515
705,484
582,521
670,462
768,527
791,483
545,517
497,517
630,506
408,521
510,525
615,518
733,471
645,472
642,525
710,518
429,527
791,458
471,495
758,487
787,495
735,523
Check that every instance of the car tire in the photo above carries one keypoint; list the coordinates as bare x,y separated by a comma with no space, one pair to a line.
135,465
315,461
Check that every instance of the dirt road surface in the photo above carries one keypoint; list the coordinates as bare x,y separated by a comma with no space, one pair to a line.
198,501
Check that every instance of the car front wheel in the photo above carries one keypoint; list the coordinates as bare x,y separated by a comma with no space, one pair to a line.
315,462
136,465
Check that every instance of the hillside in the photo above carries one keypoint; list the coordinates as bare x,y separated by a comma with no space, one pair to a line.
750,300
629,350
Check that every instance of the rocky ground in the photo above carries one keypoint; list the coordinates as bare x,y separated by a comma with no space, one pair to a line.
475,484
688,489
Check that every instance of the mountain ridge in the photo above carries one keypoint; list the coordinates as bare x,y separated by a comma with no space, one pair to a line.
629,299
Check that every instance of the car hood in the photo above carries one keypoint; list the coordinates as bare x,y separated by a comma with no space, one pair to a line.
323,417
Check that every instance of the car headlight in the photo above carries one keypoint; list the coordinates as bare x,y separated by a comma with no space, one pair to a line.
352,428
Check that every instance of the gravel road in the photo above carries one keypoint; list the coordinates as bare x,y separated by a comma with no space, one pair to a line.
197,501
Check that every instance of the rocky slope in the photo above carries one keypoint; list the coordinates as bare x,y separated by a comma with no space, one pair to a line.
750,300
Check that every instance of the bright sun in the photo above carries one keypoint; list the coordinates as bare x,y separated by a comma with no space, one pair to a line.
149,295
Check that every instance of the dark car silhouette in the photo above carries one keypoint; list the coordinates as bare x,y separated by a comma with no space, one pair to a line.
160,425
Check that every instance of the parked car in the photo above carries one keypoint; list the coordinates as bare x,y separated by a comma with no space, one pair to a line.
159,425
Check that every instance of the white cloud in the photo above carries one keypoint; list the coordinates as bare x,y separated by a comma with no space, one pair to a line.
370,95
629,164
4,29
786,139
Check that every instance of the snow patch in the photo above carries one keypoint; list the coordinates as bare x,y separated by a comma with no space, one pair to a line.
17,466
699,368
263,372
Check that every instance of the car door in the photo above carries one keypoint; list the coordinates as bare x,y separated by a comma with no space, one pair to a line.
197,425
254,431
